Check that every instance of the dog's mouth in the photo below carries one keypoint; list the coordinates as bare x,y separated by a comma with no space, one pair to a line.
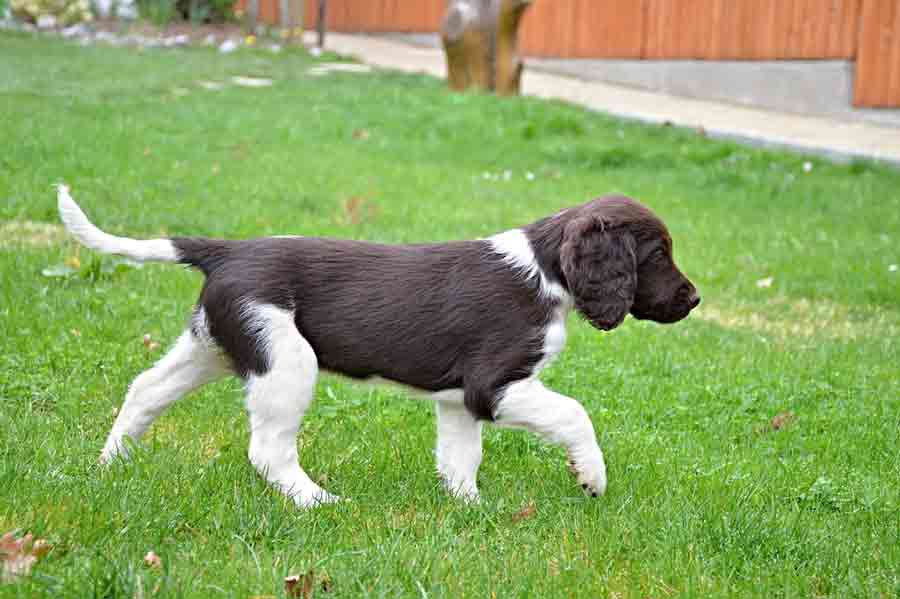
665,314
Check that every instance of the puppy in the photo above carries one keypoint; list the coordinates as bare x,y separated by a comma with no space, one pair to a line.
472,323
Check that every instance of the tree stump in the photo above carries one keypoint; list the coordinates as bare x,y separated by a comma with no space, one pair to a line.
481,44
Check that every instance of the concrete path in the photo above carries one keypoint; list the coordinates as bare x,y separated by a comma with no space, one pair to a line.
841,140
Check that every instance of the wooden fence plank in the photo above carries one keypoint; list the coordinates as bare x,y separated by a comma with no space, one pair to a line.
877,81
751,29
583,28
655,29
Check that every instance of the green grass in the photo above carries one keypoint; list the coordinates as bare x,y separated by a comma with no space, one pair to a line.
705,499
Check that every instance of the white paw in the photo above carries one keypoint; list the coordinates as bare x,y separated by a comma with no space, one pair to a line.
590,471
114,448
314,498
460,488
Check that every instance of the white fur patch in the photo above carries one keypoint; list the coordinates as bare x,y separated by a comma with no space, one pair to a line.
458,449
277,401
158,250
554,337
516,250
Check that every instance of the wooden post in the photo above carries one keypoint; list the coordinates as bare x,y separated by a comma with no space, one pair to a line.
297,10
320,24
290,18
252,16
284,17
481,44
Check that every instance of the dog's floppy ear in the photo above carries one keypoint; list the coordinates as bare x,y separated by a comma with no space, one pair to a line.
600,267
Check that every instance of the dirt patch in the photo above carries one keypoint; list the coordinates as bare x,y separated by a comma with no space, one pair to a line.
26,233
783,318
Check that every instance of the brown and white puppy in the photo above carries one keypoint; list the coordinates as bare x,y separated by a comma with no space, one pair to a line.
470,322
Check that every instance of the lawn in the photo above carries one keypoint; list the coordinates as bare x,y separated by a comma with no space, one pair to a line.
752,448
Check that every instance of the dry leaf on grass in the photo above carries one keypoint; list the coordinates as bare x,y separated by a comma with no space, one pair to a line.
356,210
300,585
782,420
151,560
19,555
525,513
304,585
149,343
361,134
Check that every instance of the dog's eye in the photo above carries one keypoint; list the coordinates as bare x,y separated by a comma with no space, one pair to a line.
658,255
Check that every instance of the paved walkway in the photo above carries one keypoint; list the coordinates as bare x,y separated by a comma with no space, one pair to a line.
836,139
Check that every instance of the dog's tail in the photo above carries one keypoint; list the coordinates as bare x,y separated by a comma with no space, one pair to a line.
143,250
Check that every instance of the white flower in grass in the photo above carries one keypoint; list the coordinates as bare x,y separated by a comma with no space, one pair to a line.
807,167
893,268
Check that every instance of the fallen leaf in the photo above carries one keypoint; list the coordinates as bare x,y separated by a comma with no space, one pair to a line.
782,420
362,134
149,343
19,555
151,560
304,585
765,283
525,513
75,333
300,585
357,209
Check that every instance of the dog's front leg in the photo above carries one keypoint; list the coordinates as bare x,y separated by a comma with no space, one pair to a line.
458,449
559,419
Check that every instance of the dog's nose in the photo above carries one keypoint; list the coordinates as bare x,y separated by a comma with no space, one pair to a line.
694,299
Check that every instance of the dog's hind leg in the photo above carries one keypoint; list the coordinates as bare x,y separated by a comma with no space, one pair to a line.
190,363
276,402
458,449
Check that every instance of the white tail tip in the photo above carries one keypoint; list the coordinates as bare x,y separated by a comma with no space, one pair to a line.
77,223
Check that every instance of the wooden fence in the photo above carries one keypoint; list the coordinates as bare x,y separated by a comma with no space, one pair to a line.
867,31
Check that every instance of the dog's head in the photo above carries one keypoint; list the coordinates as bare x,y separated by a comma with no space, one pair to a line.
616,256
